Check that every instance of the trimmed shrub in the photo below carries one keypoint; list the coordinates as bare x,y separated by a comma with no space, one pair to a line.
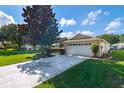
95,49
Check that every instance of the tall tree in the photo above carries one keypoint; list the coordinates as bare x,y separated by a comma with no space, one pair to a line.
2,36
2,39
13,35
41,25
115,38
121,38
111,38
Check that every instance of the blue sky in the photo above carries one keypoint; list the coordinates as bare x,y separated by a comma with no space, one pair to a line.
91,20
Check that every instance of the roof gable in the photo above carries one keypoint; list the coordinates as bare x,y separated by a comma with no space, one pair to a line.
80,36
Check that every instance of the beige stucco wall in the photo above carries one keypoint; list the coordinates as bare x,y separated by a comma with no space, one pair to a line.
104,45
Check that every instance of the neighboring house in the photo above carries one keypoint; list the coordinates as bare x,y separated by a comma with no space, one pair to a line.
30,47
56,45
80,45
117,46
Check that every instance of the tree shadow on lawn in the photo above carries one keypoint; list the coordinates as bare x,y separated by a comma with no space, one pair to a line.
89,74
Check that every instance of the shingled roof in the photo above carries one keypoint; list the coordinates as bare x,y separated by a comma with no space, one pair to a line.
80,36
84,38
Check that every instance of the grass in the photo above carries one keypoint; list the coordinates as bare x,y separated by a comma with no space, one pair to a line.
118,54
8,57
89,74
12,52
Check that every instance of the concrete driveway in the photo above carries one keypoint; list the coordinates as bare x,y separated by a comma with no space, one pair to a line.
29,74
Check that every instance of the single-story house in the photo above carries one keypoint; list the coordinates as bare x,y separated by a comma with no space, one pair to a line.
80,45
117,46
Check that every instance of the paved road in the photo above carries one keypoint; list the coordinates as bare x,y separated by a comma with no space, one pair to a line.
29,74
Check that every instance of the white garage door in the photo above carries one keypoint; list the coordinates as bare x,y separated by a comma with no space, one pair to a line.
79,50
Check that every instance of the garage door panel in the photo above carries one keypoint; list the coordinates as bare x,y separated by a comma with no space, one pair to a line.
79,50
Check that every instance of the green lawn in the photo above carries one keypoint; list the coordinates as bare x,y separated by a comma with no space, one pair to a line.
118,54
13,57
89,74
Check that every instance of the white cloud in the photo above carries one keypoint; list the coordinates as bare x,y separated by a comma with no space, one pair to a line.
106,13
91,18
67,22
87,32
71,34
67,34
113,25
5,19
94,14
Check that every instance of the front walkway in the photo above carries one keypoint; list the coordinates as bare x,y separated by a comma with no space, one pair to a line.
29,74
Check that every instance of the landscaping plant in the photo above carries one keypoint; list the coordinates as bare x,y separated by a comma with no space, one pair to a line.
95,49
